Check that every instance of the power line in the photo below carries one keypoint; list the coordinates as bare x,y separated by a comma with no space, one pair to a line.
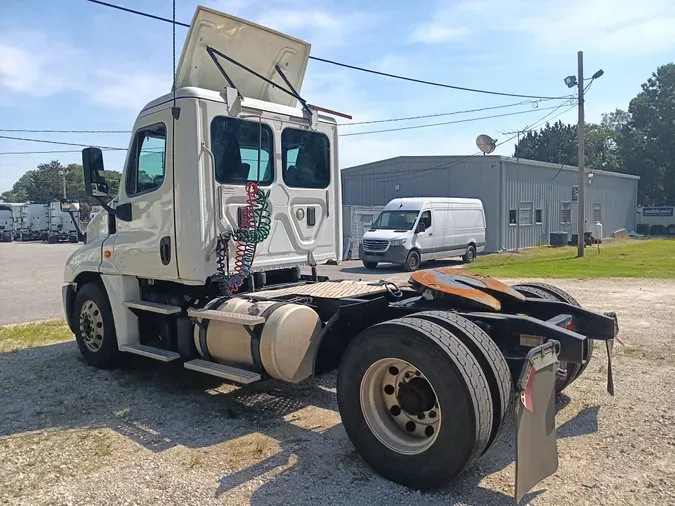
436,115
389,178
353,67
466,120
57,142
18,130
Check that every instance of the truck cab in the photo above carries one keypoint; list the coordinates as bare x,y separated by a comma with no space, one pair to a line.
193,152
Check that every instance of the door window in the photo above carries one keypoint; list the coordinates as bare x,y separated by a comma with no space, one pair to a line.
305,158
242,150
426,219
147,161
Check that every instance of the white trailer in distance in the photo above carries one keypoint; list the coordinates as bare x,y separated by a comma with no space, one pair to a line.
227,190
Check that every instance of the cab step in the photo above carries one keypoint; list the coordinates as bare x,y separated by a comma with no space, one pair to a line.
226,316
152,307
150,352
223,371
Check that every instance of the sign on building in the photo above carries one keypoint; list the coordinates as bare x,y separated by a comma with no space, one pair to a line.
657,211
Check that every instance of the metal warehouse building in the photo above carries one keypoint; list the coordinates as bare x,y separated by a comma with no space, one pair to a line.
524,200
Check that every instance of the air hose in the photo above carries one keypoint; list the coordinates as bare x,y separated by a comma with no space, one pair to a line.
254,229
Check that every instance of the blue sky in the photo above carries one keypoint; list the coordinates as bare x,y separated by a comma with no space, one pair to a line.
75,65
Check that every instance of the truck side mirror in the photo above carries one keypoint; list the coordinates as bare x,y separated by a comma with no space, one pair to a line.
69,207
421,227
94,181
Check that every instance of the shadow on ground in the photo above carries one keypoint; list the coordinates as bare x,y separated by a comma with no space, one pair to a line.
163,405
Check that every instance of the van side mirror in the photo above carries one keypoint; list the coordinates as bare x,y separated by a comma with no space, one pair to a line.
94,181
421,227
69,207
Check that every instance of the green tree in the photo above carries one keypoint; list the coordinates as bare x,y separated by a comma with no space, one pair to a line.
647,143
555,143
45,184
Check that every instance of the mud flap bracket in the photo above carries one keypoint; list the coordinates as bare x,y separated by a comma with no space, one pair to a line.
536,447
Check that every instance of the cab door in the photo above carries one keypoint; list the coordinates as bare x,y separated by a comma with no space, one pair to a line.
145,246
424,239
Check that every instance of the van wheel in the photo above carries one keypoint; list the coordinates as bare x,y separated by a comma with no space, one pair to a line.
94,327
412,263
470,254
370,265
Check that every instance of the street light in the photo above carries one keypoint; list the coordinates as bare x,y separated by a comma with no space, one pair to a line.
570,82
63,173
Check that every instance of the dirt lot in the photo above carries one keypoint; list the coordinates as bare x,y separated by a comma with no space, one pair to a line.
151,434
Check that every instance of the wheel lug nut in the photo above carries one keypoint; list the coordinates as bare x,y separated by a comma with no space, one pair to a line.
420,416
417,373
432,414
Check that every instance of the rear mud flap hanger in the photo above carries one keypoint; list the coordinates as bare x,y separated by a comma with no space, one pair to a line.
234,97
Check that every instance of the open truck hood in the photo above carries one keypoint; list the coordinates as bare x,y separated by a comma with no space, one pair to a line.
258,48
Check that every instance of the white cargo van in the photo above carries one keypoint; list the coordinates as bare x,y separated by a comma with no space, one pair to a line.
409,231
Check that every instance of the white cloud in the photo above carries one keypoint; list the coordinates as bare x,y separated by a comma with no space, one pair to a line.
33,64
601,26
436,34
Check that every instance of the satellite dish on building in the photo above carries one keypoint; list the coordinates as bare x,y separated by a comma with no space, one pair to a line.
486,144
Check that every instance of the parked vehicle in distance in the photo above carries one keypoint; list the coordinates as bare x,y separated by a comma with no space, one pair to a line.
63,226
35,222
410,231
6,223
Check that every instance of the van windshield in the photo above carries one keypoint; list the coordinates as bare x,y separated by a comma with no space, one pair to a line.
395,220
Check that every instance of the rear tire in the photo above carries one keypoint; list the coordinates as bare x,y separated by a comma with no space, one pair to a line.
387,437
412,263
550,292
492,363
370,265
95,327
53,239
670,229
470,254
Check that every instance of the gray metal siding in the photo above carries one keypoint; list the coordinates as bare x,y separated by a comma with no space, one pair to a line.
375,184
543,184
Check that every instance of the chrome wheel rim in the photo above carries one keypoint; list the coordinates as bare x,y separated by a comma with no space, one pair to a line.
400,406
91,326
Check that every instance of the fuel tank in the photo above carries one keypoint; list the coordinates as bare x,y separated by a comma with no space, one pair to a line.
283,347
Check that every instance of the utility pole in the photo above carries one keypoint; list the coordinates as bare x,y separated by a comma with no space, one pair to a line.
582,202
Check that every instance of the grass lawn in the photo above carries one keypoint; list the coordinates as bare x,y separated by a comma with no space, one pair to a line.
19,337
618,258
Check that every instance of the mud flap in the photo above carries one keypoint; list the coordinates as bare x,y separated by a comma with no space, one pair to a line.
536,448
610,374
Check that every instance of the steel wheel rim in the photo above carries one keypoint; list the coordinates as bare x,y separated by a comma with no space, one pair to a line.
91,326
387,389
413,261
471,254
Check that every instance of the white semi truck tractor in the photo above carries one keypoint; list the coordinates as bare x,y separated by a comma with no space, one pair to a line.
230,185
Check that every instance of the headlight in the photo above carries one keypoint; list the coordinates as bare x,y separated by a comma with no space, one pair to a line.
398,242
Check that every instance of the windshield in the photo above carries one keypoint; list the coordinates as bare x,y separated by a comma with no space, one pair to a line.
395,220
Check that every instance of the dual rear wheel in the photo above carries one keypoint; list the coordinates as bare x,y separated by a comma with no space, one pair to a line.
423,397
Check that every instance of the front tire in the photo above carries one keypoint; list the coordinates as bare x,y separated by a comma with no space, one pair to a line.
414,402
370,265
95,327
412,263
470,254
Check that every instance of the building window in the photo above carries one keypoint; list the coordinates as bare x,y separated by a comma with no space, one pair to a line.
597,212
513,220
526,213
538,216
565,213
147,160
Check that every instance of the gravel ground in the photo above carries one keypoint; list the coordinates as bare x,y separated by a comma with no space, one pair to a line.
153,434
31,275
